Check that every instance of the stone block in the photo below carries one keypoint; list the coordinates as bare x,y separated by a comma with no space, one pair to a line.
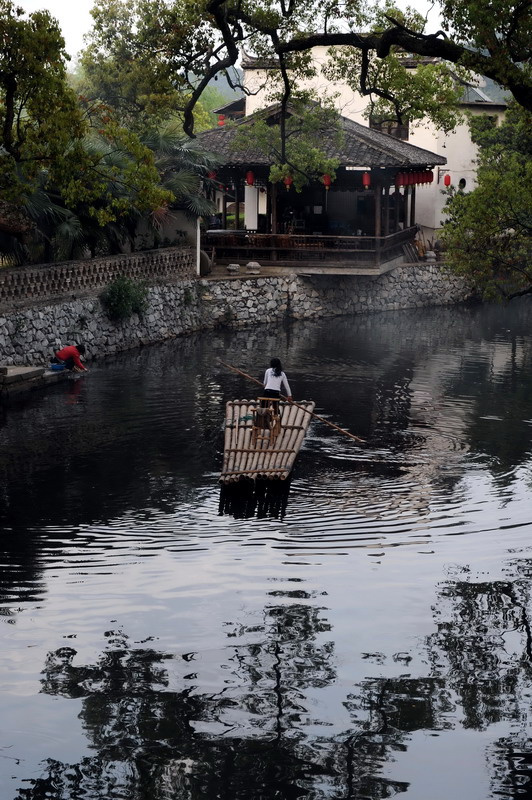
10,375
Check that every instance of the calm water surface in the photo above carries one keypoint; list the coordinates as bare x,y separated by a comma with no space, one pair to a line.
364,636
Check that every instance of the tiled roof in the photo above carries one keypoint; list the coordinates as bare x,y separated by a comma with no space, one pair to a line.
233,106
361,146
488,94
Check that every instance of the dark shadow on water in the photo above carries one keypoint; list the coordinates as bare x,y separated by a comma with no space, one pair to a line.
260,498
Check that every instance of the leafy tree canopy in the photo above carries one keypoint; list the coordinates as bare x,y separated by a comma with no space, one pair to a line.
492,39
488,231
401,88
48,138
295,145
39,115
127,67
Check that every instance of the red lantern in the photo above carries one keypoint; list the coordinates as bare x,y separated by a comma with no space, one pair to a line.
327,181
221,120
211,175
366,180
250,178
398,180
288,181
447,180
430,176
424,177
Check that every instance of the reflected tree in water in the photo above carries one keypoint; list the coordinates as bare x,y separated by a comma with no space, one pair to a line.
510,762
483,649
156,736
498,427
155,739
263,733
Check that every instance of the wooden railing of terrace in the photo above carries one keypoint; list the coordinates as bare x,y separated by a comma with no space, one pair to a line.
291,249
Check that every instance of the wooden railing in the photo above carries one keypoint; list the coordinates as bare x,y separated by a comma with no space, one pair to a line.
289,249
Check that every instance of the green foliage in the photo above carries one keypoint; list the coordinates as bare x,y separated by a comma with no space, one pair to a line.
296,149
124,297
128,66
488,231
181,164
70,165
489,38
39,115
421,93
401,87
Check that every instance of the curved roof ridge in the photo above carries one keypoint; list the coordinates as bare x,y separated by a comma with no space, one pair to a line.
362,146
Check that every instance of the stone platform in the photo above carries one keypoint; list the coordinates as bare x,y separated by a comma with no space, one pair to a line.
15,381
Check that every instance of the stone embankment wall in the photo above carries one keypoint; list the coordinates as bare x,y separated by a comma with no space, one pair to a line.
29,336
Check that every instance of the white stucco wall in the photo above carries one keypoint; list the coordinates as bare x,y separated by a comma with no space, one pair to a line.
456,147
348,103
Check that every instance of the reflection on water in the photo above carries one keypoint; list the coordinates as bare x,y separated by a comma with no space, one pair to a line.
263,498
360,632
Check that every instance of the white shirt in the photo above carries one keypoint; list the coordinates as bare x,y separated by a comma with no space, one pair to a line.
273,381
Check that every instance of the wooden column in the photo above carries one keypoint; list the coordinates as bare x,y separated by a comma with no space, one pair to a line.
224,210
274,208
378,212
386,209
413,207
268,208
378,231
237,204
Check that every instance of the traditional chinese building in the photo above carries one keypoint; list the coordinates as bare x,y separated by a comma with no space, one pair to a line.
364,219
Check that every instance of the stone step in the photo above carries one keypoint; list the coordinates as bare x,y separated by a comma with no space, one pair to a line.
10,375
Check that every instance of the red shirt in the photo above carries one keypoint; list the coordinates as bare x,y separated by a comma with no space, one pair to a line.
71,352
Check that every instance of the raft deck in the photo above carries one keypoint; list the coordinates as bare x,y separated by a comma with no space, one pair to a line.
251,454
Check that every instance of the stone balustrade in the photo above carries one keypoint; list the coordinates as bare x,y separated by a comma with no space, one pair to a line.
26,286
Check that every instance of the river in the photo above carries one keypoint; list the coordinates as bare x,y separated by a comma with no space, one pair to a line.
364,634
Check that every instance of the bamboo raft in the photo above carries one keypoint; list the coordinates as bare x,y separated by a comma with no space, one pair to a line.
263,444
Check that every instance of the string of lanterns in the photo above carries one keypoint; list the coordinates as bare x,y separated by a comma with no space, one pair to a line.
419,178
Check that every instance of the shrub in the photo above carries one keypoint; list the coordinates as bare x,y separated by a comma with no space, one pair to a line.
124,297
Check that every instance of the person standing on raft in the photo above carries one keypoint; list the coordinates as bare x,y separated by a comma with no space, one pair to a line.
274,379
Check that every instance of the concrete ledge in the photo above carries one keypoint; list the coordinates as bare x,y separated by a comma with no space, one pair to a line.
10,375
15,381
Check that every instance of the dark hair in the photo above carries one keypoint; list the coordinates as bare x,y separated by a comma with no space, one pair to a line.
81,349
276,365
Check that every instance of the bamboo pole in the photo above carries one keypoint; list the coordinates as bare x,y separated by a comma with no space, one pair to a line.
316,416
227,436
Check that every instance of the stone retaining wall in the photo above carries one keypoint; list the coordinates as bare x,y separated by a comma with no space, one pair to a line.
29,336
29,285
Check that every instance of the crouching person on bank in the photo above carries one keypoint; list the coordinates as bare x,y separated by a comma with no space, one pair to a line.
70,357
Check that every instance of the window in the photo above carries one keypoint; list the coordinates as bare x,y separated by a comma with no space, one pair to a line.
390,127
